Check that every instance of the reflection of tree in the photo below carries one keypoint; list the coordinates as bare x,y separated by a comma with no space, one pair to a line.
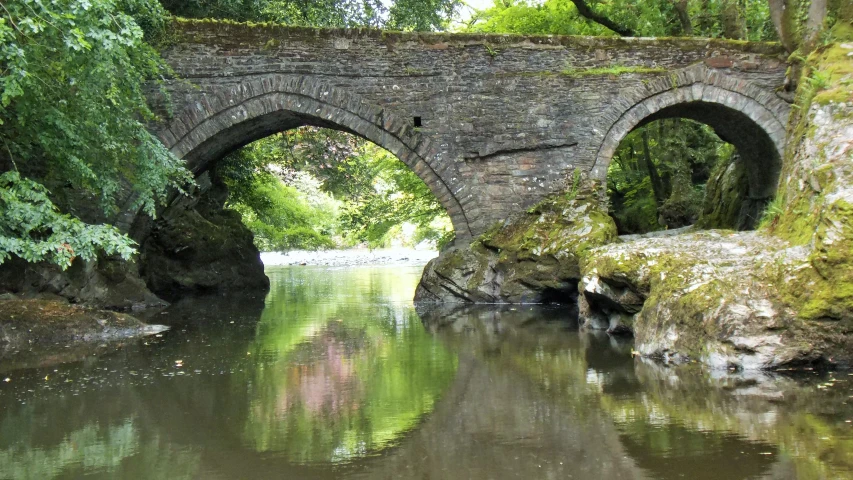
346,375
112,450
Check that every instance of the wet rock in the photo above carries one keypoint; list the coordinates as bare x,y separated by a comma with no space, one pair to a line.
48,325
531,258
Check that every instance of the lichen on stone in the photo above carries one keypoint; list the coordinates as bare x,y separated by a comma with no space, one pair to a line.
531,258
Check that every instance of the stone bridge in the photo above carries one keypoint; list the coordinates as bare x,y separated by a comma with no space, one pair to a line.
492,123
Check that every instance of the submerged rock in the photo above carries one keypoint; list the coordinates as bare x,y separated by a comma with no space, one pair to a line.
46,325
531,258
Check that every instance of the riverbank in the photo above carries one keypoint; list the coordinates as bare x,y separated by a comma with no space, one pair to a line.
350,257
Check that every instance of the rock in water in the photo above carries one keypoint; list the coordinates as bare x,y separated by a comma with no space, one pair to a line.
531,258
706,296
201,248
50,324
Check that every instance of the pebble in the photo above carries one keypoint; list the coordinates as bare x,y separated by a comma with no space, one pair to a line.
351,257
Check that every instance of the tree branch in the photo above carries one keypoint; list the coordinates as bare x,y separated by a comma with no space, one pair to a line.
587,12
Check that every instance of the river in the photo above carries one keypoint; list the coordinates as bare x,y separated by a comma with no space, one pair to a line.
336,375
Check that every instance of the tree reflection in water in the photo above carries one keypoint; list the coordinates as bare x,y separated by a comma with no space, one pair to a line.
337,376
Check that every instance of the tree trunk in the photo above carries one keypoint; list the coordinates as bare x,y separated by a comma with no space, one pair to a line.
814,25
657,184
683,17
783,14
733,23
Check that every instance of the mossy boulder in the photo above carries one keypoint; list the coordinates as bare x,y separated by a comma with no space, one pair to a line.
107,282
708,296
196,246
780,296
531,258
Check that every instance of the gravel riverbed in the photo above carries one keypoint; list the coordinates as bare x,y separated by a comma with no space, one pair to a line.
350,257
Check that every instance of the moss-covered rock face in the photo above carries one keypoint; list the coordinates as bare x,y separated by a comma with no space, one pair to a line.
780,296
818,199
727,203
532,258
201,248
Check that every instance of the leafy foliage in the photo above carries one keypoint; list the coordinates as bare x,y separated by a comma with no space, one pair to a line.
399,14
657,177
655,18
32,228
343,188
72,109
397,196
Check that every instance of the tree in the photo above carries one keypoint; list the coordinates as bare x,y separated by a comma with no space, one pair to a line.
399,14
795,34
71,116
740,19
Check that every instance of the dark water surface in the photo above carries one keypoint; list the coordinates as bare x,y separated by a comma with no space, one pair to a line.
335,375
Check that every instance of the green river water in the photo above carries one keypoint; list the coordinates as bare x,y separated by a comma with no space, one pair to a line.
336,375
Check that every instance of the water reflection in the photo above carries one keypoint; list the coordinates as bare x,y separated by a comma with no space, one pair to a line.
344,379
672,422
335,375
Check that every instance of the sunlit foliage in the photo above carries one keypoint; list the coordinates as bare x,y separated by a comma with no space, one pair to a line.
749,19
399,14
71,114
315,188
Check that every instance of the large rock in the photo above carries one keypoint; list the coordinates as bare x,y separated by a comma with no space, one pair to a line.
201,248
710,296
106,283
531,258
43,332
780,296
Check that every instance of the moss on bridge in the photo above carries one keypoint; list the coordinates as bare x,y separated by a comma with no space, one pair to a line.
184,29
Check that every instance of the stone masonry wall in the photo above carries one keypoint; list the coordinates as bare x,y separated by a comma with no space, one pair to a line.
503,118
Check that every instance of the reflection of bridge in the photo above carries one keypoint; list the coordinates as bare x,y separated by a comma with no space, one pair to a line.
491,123
525,403
494,425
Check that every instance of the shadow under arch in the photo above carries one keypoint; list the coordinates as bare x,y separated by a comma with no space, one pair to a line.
752,120
230,117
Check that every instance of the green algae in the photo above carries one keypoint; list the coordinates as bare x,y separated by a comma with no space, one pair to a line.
615,70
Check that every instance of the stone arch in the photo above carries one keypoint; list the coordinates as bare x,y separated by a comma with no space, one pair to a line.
226,118
750,118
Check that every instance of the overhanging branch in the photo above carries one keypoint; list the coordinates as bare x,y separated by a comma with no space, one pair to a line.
587,12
